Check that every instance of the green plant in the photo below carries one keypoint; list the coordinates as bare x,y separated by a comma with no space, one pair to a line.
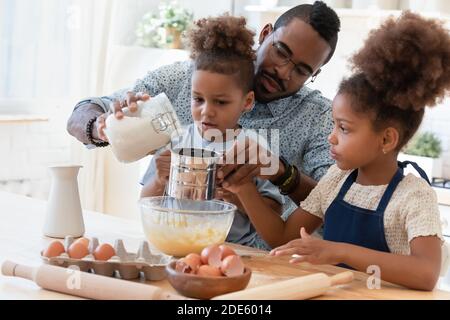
162,30
425,144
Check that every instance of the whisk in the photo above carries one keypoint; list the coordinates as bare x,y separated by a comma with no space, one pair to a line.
172,216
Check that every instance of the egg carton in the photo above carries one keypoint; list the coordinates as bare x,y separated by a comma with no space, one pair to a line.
124,264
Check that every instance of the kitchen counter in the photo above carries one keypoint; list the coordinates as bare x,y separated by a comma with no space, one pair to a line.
21,240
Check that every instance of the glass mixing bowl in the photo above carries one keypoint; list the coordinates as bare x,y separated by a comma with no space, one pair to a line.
178,227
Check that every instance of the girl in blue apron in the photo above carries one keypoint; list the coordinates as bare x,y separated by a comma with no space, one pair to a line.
362,227
374,217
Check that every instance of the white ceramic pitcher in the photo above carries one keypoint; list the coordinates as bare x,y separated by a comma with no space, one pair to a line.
64,213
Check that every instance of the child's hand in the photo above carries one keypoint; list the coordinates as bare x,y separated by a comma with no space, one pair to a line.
222,194
239,187
236,187
162,162
225,195
310,249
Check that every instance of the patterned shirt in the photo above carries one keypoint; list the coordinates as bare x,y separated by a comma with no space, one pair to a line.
303,120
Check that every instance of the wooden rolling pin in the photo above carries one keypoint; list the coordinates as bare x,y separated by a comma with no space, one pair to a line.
86,285
293,289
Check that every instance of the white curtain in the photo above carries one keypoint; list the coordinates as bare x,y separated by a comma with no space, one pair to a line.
107,23
57,50
92,22
51,48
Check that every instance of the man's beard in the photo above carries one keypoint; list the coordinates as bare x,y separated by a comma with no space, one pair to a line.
263,95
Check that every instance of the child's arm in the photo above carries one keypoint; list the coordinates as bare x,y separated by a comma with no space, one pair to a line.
268,222
419,270
153,189
157,183
225,195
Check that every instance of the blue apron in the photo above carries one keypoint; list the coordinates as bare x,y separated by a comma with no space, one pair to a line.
362,227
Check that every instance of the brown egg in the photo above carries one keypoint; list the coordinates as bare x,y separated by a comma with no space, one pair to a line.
84,241
78,250
209,271
226,251
54,249
232,266
182,266
104,252
212,255
194,261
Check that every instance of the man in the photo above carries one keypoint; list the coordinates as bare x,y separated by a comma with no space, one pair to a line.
291,54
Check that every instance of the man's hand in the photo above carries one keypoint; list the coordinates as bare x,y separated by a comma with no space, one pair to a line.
248,159
100,125
310,249
130,102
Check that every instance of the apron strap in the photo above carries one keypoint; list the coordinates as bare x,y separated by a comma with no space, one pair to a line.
398,177
415,166
347,184
396,180
390,188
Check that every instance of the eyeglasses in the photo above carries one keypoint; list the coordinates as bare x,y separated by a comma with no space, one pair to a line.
280,56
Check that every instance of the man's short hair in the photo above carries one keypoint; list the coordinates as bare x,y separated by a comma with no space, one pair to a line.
322,18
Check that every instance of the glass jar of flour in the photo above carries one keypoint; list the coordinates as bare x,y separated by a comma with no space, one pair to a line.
142,132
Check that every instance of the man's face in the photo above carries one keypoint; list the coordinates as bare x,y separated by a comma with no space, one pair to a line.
296,43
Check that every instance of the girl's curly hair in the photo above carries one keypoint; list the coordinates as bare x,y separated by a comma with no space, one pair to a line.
224,45
403,67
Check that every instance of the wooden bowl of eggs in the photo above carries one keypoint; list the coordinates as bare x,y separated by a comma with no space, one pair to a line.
217,270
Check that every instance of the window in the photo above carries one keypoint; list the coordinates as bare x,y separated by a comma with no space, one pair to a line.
36,48
48,48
